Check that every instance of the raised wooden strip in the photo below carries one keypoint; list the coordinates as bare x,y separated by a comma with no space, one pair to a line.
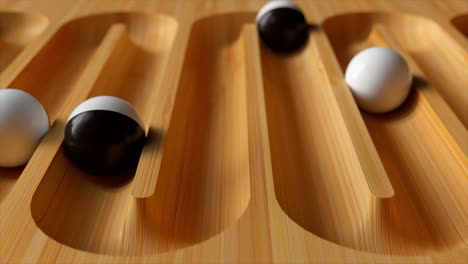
17,30
263,233
8,177
426,166
203,186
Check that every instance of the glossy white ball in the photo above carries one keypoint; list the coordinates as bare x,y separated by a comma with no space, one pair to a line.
23,123
379,78
275,4
107,103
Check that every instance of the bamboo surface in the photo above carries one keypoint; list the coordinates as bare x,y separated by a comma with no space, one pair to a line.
252,156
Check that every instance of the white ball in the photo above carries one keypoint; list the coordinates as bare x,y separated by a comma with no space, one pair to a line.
107,103
379,79
276,4
23,123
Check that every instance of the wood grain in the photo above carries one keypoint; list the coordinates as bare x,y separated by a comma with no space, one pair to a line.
252,156
64,186
16,31
188,181
419,154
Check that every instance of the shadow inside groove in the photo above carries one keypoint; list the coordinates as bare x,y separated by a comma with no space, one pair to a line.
8,177
408,140
204,182
461,23
8,51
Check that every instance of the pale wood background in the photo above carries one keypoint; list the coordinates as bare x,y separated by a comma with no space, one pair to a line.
254,156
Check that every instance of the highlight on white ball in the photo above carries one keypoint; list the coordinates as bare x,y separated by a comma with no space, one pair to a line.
23,123
107,103
276,4
379,78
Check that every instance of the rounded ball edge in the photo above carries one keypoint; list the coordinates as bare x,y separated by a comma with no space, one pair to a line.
21,152
398,96
108,103
18,92
276,4
107,158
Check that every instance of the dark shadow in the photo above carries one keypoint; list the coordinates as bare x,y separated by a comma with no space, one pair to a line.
310,28
11,173
419,83
8,51
8,178
313,27
107,182
406,107
461,23
401,112
155,136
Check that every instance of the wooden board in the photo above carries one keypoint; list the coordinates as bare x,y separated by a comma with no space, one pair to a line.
252,156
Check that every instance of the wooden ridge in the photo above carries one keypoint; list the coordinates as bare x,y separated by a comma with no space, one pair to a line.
252,156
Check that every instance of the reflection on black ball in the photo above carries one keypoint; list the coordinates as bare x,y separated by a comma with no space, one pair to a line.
104,136
282,26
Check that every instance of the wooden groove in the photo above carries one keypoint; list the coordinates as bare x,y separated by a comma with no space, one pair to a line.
127,57
446,123
152,94
8,177
461,23
425,164
114,37
15,52
382,37
203,186
318,179
78,67
147,173
17,31
189,217
376,177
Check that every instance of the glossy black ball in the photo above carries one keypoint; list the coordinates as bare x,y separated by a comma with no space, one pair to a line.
283,29
103,142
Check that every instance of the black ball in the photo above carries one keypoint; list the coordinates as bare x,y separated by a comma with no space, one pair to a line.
282,26
104,136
